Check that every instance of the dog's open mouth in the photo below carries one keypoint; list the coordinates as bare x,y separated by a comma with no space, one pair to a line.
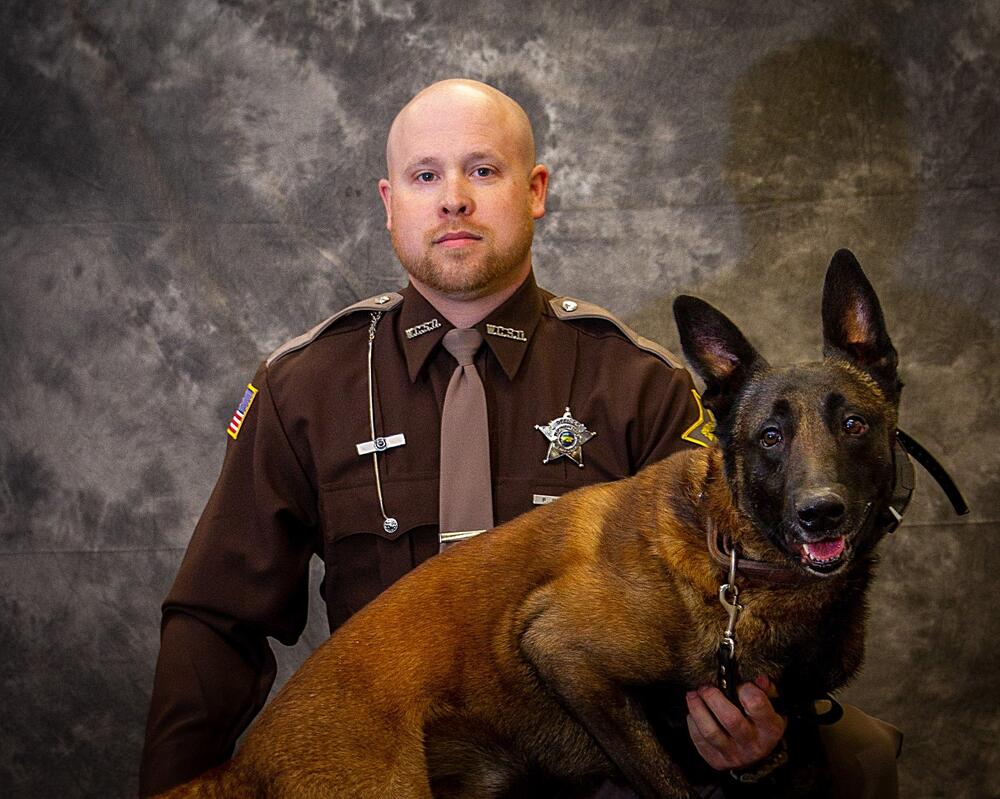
824,556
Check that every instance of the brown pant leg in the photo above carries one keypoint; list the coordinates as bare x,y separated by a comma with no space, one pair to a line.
862,753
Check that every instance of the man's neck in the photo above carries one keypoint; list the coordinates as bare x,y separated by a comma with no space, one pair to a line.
466,312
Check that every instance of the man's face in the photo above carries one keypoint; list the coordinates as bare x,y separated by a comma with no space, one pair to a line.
462,195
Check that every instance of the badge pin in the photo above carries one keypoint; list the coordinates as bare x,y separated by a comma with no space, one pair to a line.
506,332
423,327
566,438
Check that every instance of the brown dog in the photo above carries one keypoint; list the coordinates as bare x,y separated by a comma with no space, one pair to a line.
555,651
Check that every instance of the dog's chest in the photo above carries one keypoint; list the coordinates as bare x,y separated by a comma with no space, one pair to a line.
793,644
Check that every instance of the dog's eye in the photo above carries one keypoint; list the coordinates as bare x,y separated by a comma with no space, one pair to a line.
770,437
855,426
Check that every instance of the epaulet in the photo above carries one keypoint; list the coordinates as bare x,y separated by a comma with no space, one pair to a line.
571,308
380,302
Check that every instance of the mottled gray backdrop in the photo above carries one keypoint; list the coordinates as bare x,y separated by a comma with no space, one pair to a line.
184,185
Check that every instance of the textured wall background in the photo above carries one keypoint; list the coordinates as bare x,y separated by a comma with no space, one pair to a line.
184,185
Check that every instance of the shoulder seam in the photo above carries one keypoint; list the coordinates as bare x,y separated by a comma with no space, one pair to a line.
379,302
570,308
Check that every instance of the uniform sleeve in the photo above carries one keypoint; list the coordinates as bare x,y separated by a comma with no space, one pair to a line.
244,577
671,417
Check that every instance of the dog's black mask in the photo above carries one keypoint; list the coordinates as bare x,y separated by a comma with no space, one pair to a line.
808,448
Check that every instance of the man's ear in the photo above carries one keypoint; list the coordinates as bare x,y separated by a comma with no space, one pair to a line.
853,325
385,192
716,350
538,185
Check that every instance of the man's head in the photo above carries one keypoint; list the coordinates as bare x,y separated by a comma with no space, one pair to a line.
463,190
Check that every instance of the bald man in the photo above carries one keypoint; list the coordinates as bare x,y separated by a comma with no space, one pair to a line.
335,447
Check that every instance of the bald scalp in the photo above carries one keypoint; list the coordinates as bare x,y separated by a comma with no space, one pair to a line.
459,95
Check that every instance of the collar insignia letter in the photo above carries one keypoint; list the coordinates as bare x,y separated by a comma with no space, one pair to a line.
423,327
506,332
566,437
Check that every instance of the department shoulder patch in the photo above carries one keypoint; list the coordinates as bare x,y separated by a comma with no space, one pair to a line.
241,412
702,432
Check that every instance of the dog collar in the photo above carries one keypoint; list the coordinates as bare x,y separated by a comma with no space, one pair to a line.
720,549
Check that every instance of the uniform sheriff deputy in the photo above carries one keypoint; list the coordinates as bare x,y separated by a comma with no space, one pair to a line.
334,448
293,482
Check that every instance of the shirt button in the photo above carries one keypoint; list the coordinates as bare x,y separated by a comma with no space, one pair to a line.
569,305
383,299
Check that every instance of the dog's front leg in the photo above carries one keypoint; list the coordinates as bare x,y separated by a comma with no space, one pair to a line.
579,672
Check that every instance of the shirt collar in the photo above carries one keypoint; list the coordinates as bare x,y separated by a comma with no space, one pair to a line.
507,330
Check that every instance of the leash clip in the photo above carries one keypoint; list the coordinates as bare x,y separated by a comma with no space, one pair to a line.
729,594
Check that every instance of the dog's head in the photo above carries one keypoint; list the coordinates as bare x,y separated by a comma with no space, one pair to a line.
808,448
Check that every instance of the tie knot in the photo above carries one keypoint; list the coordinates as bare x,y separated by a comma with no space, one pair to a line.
462,343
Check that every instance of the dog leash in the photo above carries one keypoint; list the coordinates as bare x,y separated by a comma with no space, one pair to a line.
727,677
729,595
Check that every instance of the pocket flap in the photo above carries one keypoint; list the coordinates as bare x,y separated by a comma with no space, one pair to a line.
354,510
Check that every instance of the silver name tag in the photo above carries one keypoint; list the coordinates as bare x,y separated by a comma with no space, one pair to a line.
542,499
381,444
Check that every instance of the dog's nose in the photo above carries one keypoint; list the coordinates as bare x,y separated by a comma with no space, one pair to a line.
823,510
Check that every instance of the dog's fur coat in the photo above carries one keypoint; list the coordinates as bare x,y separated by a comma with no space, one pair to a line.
555,651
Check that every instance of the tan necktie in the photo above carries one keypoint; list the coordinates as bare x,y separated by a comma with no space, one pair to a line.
466,498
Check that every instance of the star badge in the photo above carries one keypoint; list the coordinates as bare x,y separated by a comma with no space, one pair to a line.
566,437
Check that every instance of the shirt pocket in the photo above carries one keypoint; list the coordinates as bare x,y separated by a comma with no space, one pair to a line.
362,558
354,510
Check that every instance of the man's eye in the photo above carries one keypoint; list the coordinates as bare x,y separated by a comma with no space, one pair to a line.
484,171
425,177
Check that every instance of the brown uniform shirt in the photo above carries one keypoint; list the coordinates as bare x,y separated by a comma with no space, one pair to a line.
293,485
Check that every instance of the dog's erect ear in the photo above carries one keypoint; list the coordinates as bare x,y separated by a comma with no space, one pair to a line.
716,350
853,325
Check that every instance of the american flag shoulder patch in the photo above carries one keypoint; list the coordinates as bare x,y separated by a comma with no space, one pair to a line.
241,412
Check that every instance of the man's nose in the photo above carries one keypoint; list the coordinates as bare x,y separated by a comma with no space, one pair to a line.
456,200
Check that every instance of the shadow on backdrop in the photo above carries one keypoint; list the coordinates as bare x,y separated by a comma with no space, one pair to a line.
818,159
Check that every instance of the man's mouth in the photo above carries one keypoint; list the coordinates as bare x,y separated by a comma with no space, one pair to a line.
823,556
456,237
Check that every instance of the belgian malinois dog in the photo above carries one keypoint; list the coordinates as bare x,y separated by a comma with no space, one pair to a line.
555,651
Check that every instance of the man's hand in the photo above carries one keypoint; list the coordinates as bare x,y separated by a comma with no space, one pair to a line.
723,735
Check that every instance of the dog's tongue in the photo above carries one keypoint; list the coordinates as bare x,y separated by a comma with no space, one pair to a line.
825,550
